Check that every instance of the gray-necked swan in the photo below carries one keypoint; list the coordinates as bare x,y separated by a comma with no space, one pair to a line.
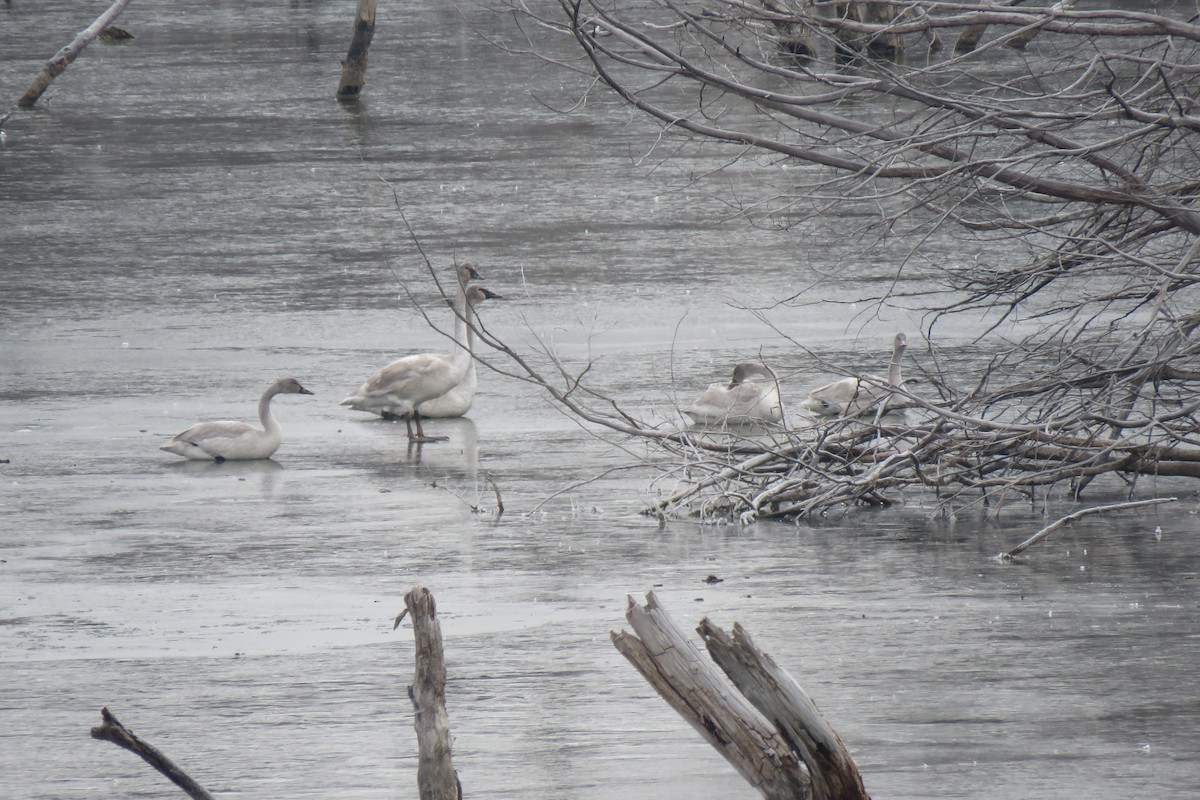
407,382
744,399
231,440
851,397
458,400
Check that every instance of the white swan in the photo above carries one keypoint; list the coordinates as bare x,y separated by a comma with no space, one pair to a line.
742,400
457,401
407,382
851,397
230,440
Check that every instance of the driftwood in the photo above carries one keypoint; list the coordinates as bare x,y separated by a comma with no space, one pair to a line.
1008,555
113,731
63,58
763,724
354,68
436,778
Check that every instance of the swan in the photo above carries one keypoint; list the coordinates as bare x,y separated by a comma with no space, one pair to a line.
741,400
230,440
457,401
401,386
852,397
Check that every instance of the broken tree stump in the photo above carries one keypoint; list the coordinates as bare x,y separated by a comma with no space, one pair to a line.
354,68
762,723
436,778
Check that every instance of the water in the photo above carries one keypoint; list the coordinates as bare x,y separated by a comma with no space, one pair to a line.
192,216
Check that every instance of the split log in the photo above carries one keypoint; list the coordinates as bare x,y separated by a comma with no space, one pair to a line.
354,68
763,724
63,58
436,778
113,731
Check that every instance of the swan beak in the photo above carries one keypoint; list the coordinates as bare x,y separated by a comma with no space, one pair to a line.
304,391
490,295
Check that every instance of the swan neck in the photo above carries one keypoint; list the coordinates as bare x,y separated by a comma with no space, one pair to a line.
894,367
269,423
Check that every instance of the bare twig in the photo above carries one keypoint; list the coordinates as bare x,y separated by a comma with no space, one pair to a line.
1078,515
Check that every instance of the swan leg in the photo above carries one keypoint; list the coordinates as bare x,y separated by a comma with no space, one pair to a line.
421,437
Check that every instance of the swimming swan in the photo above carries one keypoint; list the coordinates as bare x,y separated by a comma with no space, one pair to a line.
230,440
742,400
407,382
853,397
457,401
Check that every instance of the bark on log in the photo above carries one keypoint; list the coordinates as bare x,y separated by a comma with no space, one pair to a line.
771,732
436,778
354,68
63,58
113,731
777,695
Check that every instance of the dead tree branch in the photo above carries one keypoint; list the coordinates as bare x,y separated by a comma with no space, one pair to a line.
111,730
58,64
1008,555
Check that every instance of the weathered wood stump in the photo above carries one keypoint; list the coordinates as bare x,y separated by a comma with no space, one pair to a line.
762,723
354,68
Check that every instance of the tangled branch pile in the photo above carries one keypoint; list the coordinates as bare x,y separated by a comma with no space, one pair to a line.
1066,139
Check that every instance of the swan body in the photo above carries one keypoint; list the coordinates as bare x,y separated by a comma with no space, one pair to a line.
400,387
457,401
231,440
852,397
742,400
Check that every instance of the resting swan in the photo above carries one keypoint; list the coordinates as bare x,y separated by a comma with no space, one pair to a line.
229,440
851,397
742,400
401,386
457,401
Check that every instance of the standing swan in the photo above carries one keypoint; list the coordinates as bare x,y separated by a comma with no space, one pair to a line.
852,397
407,382
457,401
742,400
229,440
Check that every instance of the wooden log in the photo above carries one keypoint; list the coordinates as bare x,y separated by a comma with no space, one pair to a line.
696,689
63,58
111,730
354,68
436,778
780,699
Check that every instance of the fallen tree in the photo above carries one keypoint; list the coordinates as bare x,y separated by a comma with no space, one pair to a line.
1075,164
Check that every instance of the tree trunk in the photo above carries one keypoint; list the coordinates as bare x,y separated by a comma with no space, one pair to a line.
436,779
354,68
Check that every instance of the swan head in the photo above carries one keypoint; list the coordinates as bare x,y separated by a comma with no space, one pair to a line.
477,294
290,386
748,370
467,272
900,342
